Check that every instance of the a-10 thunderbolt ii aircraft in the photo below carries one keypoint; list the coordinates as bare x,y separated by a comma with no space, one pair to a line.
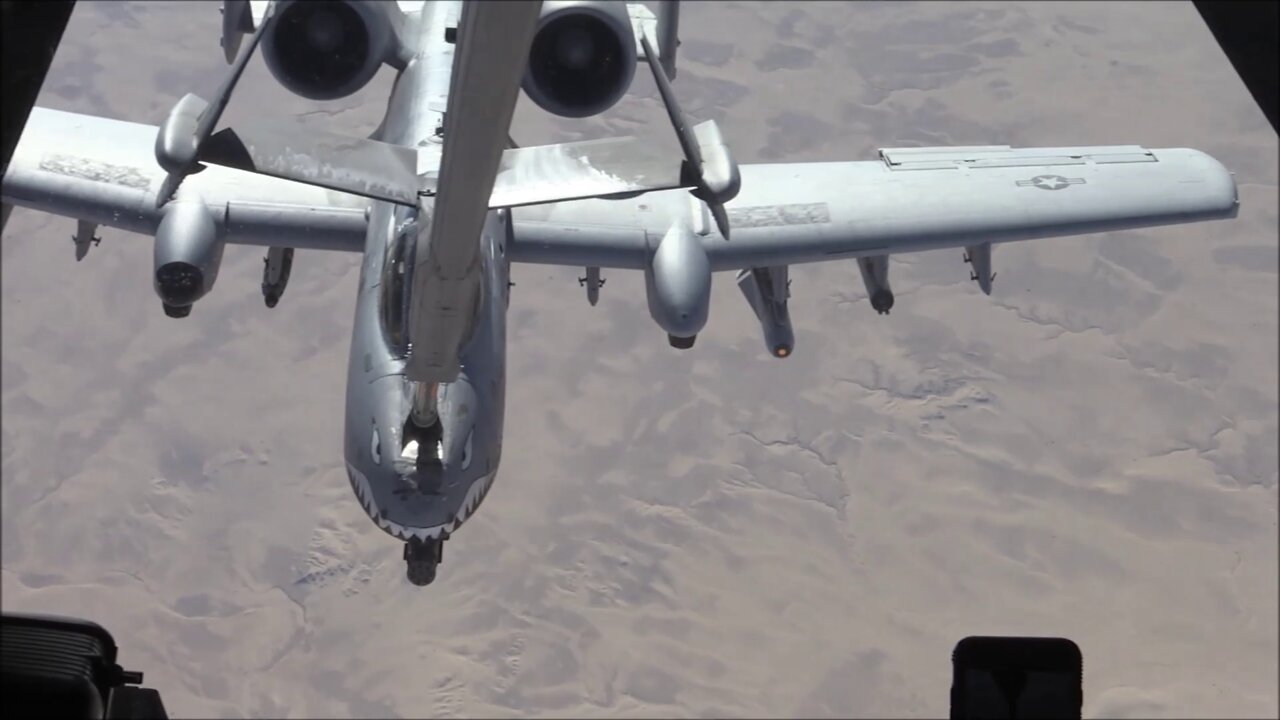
440,202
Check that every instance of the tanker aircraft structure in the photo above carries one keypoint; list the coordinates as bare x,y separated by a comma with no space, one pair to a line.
440,202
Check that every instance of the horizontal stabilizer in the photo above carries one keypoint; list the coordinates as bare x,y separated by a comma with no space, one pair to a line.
368,168
578,170
382,171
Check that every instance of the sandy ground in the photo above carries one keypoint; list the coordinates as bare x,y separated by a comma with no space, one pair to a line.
1090,452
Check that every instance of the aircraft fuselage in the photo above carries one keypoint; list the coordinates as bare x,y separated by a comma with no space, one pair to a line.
415,485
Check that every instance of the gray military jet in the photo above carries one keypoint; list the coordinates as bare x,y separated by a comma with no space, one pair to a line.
440,202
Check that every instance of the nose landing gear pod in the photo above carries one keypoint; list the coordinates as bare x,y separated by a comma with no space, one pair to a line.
421,558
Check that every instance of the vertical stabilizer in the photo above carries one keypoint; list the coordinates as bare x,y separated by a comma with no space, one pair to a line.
668,34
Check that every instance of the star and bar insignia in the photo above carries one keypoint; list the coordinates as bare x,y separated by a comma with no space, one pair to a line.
1050,182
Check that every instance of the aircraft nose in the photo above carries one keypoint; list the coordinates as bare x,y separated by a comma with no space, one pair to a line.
413,504
434,486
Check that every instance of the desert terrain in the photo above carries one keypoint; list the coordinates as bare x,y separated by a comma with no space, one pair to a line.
1090,452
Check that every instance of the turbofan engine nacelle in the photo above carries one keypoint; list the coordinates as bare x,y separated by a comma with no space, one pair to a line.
875,275
766,291
328,49
678,286
582,58
188,253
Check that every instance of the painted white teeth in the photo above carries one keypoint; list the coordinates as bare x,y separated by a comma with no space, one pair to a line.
364,492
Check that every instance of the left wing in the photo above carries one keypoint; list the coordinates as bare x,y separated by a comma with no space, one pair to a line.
909,200
104,171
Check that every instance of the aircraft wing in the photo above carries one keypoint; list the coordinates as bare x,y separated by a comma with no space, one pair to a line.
909,200
104,171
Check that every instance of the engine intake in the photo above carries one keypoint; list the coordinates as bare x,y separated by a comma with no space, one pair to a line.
582,59
328,49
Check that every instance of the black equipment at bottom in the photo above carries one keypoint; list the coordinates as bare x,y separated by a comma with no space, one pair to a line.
66,668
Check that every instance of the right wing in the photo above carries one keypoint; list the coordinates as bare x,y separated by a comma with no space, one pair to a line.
910,200
104,171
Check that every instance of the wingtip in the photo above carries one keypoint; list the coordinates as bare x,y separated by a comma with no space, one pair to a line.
1223,193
